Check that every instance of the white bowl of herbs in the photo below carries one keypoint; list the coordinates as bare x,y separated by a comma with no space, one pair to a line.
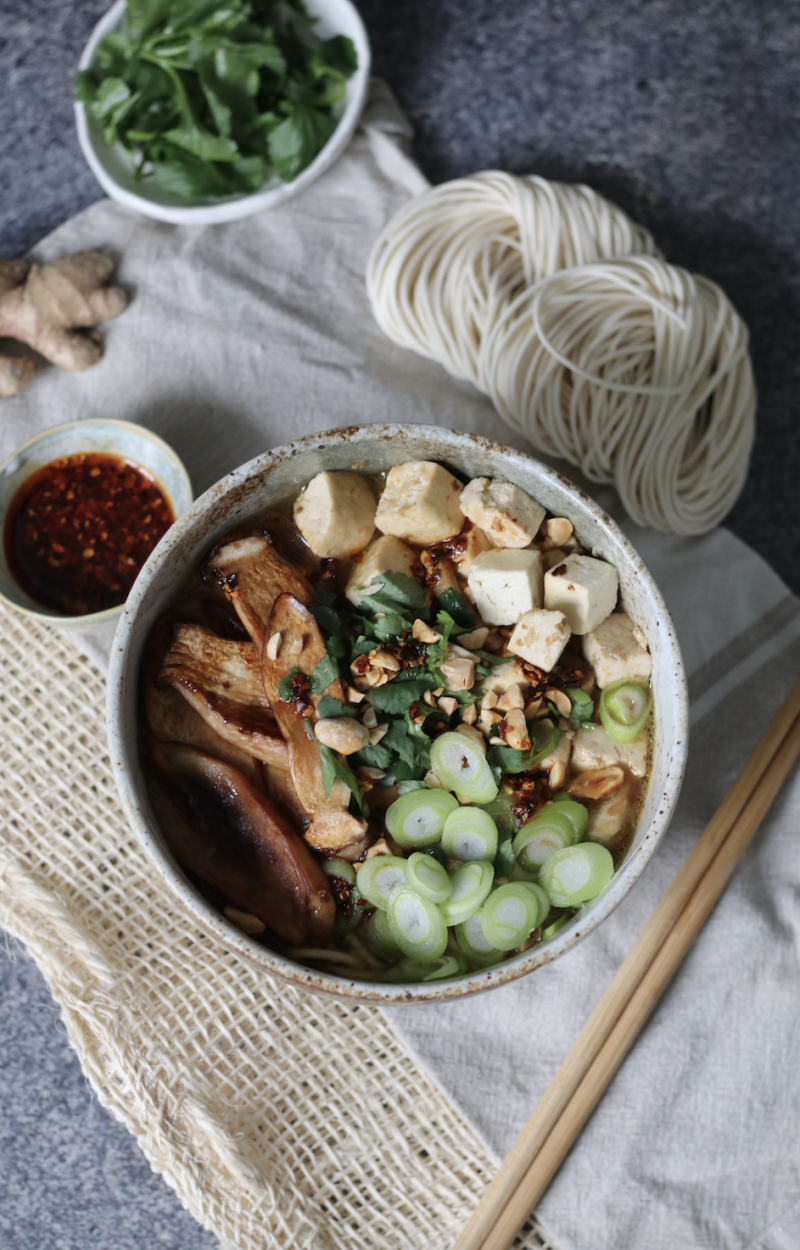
196,112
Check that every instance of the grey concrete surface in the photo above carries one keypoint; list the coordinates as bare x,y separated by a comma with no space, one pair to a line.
687,113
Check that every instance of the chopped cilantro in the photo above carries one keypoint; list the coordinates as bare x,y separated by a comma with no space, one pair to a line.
285,686
334,770
393,592
330,708
397,696
457,606
325,672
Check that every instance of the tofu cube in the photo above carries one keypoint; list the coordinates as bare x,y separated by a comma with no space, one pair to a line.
508,516
592,748
506,584
385,555
539,637
617,649
420,503
584,589
336,514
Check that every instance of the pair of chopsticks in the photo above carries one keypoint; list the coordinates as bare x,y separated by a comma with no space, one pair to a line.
635,990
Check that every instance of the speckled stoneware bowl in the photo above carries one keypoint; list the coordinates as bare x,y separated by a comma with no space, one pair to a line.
278,475
115,438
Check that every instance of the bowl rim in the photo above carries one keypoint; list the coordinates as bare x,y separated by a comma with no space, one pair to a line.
231,208
123,684
93,619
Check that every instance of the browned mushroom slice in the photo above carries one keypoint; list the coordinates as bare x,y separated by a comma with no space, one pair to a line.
300,649
221,680
253,575
171,718
229,834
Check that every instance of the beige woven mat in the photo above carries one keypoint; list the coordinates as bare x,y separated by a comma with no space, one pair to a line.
281,1119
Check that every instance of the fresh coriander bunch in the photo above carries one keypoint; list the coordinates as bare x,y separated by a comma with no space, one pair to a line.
213,98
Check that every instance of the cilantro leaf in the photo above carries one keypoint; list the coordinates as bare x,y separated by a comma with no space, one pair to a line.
334,770
285,685
329,708
393,592
397,696
326,671
373,756
457,606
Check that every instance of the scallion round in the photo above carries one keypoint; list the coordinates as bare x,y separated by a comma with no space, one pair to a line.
378,936
508,916
416,925
463,768
472,940
550,830
574,875
470,833
428,877
542,901
377,877
471,883
624,708
577,815
417,819
339,868
413,971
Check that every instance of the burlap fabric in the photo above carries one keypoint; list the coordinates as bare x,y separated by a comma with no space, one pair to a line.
281,1119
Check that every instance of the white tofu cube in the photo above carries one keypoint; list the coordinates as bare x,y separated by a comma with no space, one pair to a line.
539,637
420,503
385,555
617,649
592,748
508,516
336,514
506,584
584,589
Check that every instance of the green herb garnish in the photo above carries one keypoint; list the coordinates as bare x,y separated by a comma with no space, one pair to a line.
213,98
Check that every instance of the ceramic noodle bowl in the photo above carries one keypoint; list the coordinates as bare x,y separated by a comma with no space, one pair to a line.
242,498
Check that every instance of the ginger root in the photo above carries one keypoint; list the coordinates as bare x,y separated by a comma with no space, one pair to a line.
44,306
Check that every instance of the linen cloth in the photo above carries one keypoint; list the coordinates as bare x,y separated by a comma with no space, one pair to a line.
243,336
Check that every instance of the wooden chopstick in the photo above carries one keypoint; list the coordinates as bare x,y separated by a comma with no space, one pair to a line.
545,1140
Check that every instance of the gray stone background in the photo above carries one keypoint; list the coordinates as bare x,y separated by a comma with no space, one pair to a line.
686,112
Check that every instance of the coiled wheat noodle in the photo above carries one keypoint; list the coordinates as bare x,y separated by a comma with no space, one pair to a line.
551,301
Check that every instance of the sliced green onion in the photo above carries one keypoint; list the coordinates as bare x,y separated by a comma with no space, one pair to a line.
471,883
427,877
508,916
542,901
417,819
416,925
470,833
462,767
472,940
555,927
339,868
377,877
505,861
378,936
624,708
576,874
577,815
451,964
550,830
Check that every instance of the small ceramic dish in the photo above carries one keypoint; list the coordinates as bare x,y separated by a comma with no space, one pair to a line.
241,498
114,438
113,169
